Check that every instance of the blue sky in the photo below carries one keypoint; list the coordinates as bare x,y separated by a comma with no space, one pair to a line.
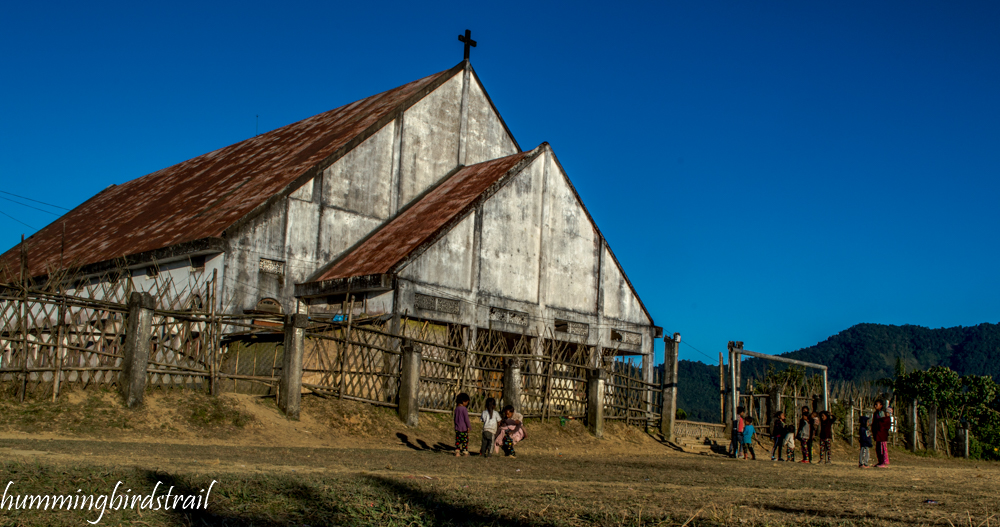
767,172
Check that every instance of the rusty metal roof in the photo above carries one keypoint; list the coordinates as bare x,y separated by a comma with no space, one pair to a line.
200,198
428,219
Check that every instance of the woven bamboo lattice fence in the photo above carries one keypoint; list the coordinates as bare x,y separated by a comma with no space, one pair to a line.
69,333
628,397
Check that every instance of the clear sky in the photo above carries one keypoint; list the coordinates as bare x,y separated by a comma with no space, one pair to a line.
771,172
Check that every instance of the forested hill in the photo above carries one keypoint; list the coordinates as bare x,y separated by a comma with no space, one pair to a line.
863,352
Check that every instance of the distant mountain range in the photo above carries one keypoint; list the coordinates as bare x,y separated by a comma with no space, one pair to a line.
864,352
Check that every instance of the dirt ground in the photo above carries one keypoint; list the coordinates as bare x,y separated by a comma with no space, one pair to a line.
348,463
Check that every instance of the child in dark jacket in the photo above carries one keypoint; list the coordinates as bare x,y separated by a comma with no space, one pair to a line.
778,435
826,420
865,440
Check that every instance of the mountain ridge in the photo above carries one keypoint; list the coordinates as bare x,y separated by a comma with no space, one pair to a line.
862,352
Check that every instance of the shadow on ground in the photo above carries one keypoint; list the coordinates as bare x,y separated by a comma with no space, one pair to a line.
369,500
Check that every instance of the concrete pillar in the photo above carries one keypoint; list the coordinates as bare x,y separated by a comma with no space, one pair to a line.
512,384
138,331
290,382
914,425
409,384
595,401
669,411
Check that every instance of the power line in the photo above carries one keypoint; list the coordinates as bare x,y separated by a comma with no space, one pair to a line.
35,200
698,350
17,220
30,207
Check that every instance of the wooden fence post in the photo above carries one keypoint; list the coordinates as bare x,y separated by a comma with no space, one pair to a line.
290,382
914,423
722,390
347,350
850,423
138,333
932,426
409,384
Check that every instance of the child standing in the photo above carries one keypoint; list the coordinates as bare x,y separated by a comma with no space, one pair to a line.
736,443
881,423
462,424
804,434
826,420
789,443
865,440
748,430
491,418
778,435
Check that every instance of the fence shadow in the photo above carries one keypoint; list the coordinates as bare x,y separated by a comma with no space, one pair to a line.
422,445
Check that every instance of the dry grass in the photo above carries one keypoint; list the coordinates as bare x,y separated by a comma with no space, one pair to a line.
379,472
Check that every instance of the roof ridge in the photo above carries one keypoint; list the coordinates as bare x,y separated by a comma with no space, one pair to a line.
208,195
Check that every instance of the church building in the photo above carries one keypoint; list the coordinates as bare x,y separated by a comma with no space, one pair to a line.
415,201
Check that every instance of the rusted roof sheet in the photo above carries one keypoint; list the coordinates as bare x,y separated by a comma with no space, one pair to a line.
200,198
427,219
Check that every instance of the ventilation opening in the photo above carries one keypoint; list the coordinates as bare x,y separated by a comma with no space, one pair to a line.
268,305
198,262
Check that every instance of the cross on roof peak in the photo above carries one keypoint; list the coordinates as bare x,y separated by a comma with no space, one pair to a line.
467,39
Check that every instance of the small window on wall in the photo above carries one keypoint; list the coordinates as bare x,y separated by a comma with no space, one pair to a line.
626,337
268,305
198,263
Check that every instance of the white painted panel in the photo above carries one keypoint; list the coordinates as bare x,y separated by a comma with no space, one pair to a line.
572,245
430,139
340,231
361,181
510,237
619,301
486,136
449,261
305,192
301,235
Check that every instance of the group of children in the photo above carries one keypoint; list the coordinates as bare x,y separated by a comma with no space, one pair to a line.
501,430
810,426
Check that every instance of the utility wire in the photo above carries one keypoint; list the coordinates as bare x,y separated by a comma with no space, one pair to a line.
30,207
35,200
17,220
698,350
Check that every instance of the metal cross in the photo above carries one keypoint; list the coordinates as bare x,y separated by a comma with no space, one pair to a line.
467,39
